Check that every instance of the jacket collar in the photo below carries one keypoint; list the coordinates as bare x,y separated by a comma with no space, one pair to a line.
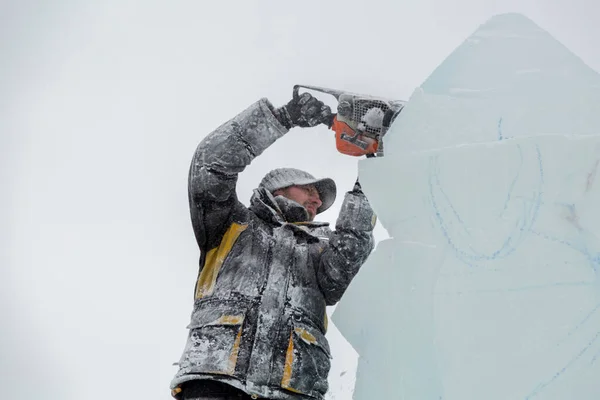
281,210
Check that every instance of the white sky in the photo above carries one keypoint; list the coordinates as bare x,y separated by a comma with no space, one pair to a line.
101,107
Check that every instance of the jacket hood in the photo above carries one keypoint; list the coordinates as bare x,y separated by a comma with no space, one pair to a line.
280,211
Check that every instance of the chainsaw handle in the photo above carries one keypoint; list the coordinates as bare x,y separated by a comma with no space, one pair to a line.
333,92
296,94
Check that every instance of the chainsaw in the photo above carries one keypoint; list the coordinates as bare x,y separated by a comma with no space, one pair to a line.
361,121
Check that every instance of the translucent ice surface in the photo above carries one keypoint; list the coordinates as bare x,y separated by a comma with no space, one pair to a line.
490,190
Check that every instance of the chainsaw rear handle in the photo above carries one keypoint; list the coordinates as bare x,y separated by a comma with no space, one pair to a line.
333,92
296,93
344,108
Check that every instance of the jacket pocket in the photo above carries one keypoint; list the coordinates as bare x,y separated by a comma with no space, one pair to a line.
214,341
307,361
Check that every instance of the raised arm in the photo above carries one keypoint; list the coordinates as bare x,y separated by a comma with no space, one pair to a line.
224,153
218,160
349,245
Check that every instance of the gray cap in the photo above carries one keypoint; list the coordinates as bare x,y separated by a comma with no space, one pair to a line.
284,177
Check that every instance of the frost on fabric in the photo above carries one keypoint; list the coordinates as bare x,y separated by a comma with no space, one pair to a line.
266,274
489,287
373,118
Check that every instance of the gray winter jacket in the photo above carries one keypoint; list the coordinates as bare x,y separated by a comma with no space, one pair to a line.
259,320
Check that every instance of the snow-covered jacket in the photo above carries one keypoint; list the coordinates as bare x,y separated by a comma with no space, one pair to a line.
259,321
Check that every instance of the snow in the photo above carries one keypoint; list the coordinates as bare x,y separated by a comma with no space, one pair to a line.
488,287
374,117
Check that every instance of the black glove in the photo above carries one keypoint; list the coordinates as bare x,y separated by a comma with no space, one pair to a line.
357,187
304,110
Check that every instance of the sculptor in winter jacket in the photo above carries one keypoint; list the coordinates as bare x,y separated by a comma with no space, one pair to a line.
258,321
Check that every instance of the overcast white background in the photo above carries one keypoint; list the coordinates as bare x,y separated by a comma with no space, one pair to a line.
102,104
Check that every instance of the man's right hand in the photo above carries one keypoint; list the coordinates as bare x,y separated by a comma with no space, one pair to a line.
304,110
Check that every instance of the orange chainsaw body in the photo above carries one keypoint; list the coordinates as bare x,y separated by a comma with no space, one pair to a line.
350,142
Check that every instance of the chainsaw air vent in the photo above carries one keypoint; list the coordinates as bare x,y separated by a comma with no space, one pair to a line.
369,114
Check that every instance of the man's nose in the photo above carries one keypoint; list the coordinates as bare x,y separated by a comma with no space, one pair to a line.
317,200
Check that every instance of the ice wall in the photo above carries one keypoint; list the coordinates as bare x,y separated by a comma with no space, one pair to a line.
490,189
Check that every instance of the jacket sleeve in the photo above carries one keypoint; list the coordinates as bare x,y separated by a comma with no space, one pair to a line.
218,160
349,246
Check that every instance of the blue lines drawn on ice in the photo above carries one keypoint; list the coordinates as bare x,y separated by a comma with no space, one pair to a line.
446,215
595,358
501,136
581,243
580,324
592,257
457,234
500,129
514,181
560,372
594,260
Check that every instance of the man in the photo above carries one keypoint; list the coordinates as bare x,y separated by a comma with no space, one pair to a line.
267,271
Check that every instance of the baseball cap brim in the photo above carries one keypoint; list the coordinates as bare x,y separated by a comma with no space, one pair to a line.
327,193
326,188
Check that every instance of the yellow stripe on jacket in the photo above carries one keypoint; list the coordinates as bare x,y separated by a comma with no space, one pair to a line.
214,261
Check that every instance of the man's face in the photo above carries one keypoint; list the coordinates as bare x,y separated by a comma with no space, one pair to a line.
305,195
